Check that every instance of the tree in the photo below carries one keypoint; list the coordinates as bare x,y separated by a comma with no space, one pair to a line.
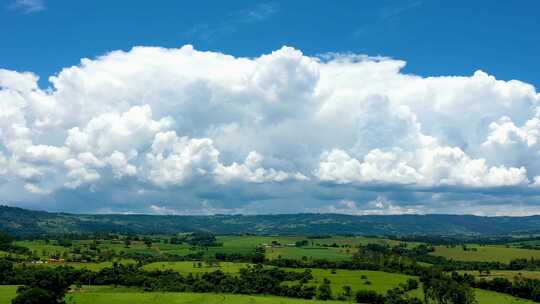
45,286
347,291
444,289
369,296
34,296
324,291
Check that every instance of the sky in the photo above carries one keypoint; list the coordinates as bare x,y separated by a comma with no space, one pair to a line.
360,107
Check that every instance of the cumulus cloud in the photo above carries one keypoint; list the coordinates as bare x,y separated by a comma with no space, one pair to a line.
379,206
175,160
177,124
28,6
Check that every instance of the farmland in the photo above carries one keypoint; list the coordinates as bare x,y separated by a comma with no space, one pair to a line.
183,268
106,295
486,253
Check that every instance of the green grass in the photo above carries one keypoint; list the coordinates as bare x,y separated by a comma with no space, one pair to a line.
106,295
486,253
490,297
187,267
89,266
380,281
40,248
7,292
317,249
327,253
508,274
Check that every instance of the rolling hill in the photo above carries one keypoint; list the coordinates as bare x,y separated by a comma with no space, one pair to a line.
22,222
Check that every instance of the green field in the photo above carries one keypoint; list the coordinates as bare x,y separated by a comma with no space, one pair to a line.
490,297
77,265
187,267
40,248
317,248
106,295
7,292
379,281
328,253
508,274
486,253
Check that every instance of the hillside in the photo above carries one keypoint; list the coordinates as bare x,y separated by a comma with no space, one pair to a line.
22,222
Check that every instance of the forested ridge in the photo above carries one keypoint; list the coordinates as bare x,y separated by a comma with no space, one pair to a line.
21,223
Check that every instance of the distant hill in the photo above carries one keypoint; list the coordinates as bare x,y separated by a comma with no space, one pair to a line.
22,222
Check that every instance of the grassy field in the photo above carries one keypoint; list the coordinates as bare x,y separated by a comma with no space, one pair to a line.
378,280
328,253
509,274
486,253
89,266
490,297
187,267
40,248
7,292
317,248
106,295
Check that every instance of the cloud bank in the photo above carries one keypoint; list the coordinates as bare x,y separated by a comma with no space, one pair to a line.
187,131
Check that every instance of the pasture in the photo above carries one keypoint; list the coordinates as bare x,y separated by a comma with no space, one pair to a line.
485,253
508,274
192,267
106,295
362,279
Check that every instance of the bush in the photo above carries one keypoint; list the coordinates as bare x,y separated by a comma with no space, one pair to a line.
369,296
33,296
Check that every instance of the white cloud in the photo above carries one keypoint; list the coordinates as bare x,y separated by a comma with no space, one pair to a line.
378,206
175,117
113,131
425,167
120,165
35,189
79,173
29,6
175,160
252,171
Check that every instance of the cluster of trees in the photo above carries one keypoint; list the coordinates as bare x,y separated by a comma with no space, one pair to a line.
51,284
398,295
6,244
520,287
45,286
521,264
441,288
256,256
201,239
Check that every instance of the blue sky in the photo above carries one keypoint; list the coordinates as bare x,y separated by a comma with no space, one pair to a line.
366,107
434,37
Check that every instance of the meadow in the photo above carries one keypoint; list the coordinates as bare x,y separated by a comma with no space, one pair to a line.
331,248
361,279
486,253
192,267
107,295
508,274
